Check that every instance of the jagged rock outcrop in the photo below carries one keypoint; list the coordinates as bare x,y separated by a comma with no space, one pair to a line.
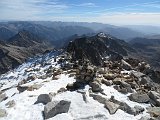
96,48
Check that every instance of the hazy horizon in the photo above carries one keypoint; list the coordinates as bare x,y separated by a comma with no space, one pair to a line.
124,12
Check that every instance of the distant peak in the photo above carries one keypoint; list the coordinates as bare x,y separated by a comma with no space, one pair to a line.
103,35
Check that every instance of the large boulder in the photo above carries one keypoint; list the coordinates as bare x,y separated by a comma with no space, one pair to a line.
155,98
140,98
56,107
112,107
44,98
3,96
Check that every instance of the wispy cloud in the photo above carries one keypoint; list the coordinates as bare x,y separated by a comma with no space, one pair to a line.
87,5
57,10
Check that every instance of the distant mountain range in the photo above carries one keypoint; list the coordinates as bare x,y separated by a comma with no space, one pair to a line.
21,40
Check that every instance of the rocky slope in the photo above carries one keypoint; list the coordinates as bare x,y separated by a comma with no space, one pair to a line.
60,85
148,49
19,48
99,47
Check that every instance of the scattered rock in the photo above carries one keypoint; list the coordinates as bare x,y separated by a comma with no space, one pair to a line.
22,88
85,97
140,98
144,118
56,107
138,109
109,76
3,113
107,82
3,96
155,98
98,98
117,81
112,107
10,104
126,65
61,90
96,86
154,111
137,74
44,98
34,87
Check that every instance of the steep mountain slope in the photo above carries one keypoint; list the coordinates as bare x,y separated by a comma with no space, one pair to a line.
96,48
149,50
5,33
19,48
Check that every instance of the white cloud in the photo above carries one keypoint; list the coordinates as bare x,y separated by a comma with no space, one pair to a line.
87,5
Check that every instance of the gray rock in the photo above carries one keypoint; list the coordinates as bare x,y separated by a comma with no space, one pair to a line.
3,113
117,81
107,82
126,65
98,98
140,98
154,111
137,74
3,96
155,97
44,98
22,88
10,104
112,107
96,87
138,109
126,86
144,118
56,107
145,80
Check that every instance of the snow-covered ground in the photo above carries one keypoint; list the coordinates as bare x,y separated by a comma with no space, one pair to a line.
25,109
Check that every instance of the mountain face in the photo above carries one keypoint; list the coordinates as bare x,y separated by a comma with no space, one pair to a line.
96,48
19,48
25,39
149,50
122,32
5,33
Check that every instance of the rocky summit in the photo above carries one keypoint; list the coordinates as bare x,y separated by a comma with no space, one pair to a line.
93,78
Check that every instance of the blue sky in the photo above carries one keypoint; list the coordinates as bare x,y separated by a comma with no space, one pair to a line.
119,12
